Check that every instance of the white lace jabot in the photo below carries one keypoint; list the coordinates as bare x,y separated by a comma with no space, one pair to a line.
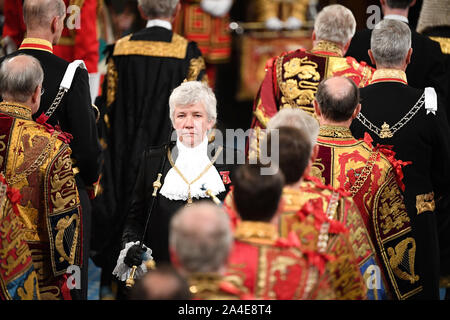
191,162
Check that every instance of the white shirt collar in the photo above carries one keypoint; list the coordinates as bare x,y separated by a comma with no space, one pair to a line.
396,17
192,162
159,23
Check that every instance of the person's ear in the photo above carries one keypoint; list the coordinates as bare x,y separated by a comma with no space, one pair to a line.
317,109
408,56
369,52
36,95
176,12
356,111
54,25
347,45
141,12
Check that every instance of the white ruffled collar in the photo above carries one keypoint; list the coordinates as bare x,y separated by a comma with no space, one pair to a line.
191,162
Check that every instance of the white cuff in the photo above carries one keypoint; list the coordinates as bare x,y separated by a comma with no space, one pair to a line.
122,271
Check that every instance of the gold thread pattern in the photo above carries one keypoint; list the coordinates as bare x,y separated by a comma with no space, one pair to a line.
403,256
112,83
196,65
425,202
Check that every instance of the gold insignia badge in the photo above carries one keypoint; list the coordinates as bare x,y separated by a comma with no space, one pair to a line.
385,131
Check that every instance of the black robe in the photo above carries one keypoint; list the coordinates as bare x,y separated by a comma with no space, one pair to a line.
143,69
157,234
427,67
424,140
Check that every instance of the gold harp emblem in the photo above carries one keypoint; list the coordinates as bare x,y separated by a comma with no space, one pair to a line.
385,131
68,237
402,256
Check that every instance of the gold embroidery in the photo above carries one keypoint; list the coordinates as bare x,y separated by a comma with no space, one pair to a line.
16,110
335,132
196,65
425,202
444,42
112,80
2,148
27,292
73,224
207,286
317,170
385,131
402,256
393,213
389,74
260,232
63,184
42,42
175,49
327,46
365,173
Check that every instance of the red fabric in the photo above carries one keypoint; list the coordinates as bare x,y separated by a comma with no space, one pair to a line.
86,41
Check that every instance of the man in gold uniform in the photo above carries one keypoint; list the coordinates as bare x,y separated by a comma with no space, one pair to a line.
373,177
36,161
292,78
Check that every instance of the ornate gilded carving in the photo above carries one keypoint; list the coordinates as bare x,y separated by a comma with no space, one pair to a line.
425,202
403,256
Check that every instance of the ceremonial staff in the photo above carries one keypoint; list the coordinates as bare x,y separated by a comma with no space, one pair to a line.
156,186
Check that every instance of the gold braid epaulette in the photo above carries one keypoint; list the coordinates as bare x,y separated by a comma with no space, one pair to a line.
175,49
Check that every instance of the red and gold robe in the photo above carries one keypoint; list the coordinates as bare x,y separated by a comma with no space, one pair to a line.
36,161
267,267
292,79
373,177
18,279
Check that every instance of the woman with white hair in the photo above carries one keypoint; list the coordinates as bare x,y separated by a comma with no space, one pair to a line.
191,165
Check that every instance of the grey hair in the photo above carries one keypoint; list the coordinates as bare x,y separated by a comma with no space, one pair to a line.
390,43
191,92
335,23
18,80
296,118
201,237
158,8
39,13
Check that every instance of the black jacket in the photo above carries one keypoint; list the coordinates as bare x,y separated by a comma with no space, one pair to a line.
425,141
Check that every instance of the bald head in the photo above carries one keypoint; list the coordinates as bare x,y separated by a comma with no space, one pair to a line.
39,14
200,237
20,76
337,98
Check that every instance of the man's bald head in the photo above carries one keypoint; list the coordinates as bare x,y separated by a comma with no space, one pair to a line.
19,78
338,98
201,238
39,14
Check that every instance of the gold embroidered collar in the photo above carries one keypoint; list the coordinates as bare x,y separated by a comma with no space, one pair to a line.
204,282
335,132
391,75
16,110
255,231
37,44
328,47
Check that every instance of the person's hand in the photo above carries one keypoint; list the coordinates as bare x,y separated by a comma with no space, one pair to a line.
134,256
274,24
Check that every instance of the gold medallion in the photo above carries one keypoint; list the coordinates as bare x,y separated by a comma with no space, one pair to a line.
385,131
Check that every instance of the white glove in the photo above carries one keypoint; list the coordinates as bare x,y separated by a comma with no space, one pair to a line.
274,24
216,8
292,23
122,271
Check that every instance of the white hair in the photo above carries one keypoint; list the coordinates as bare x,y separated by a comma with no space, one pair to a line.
20,76
335,23
191,92
390,43
201,237
296,118
158,8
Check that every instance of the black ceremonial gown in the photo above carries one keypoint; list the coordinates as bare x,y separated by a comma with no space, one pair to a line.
157,233
143,69
424,140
